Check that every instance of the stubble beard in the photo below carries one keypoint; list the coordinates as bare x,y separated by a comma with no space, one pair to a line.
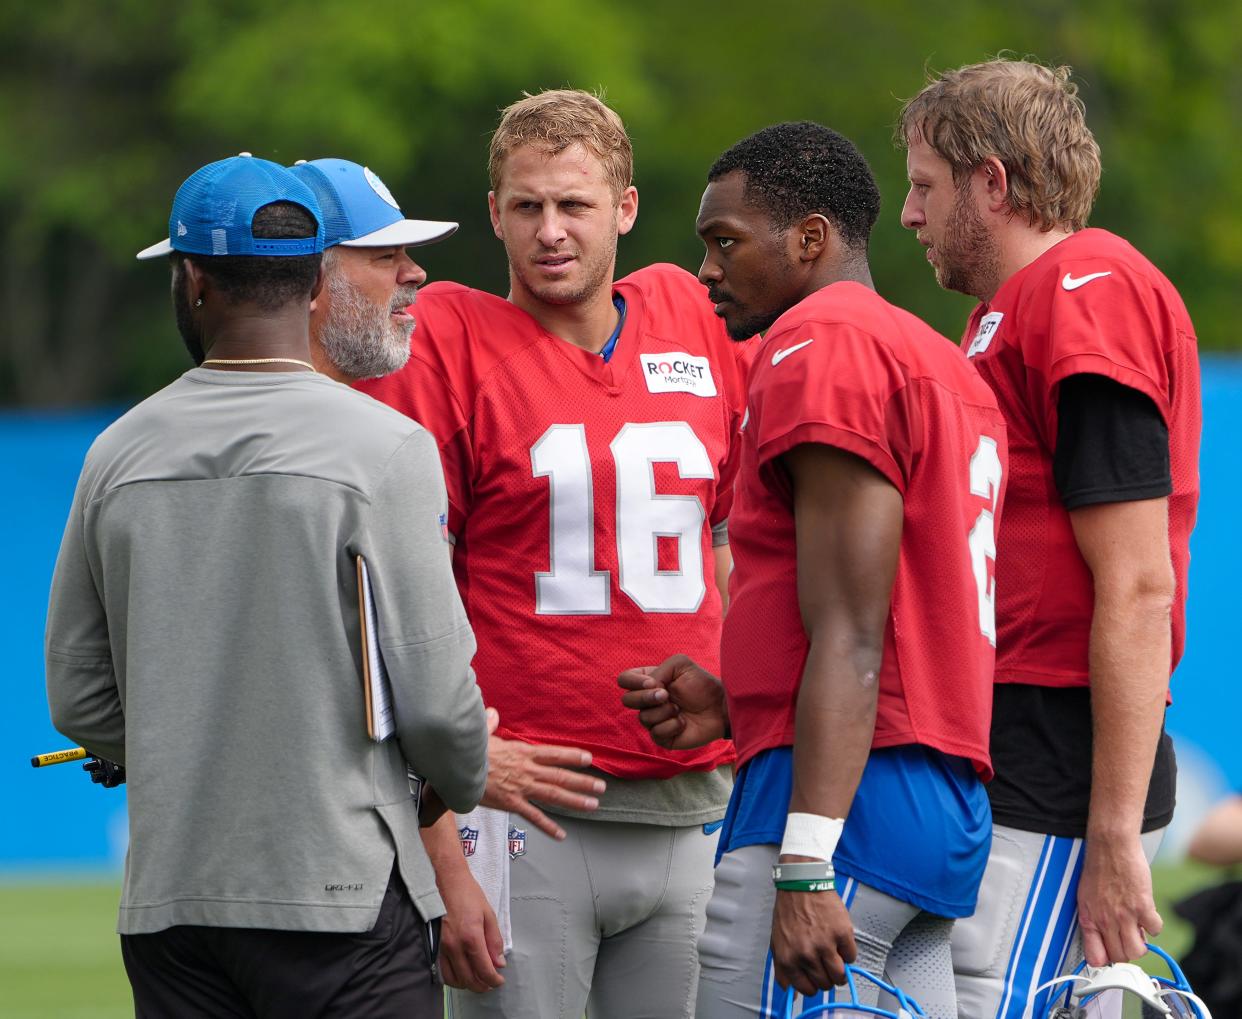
753,321
753,324
358,336
969,257
595,274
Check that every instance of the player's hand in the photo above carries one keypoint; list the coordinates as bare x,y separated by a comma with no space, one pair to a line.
681,704
471,946
812,940
519,773
1116,910
105,773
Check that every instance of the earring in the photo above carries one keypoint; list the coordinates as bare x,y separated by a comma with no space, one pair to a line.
198,302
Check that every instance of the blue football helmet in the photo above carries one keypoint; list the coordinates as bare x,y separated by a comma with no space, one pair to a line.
1169,996
907,1007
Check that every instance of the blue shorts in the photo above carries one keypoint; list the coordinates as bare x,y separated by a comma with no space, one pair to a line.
919,828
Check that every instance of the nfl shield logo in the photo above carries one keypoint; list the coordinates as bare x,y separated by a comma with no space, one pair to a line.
444,531
517,843
469,840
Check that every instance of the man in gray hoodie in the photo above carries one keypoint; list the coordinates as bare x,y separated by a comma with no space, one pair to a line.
204,631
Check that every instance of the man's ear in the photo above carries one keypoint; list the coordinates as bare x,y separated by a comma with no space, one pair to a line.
815,235
195,283
993,180
493,210
627,210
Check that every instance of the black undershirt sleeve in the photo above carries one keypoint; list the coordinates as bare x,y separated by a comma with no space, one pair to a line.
1112,444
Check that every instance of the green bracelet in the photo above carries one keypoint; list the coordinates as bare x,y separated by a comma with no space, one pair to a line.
806,885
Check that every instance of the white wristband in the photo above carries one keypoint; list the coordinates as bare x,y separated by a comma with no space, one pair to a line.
812,835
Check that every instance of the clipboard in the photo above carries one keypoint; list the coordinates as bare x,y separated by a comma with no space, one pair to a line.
376,689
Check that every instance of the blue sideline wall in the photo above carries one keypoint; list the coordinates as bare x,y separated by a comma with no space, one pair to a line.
59,823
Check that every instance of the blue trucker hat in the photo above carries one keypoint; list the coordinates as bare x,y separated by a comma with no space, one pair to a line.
213,210
359,211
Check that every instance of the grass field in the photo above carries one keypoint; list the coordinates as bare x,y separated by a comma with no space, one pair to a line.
59,957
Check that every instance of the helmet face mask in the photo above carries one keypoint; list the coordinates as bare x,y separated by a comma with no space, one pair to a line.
1182,1007
850,1007
1169,996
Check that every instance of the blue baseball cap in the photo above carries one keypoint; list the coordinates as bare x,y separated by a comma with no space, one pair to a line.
213,211
359,211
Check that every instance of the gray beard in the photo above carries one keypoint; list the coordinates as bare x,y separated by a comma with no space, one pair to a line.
359,337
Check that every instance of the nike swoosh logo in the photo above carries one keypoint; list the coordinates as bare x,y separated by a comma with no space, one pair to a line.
779,355
1070,283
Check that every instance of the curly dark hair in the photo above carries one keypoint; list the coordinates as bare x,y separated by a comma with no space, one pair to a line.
796,169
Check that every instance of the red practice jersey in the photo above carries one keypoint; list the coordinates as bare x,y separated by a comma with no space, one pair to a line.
847,369
583,497
1089,305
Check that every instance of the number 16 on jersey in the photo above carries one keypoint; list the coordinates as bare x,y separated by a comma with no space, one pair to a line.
573,585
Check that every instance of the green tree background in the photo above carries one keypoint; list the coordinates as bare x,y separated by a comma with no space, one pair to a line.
106,107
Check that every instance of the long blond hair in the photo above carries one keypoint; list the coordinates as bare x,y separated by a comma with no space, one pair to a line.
1028,116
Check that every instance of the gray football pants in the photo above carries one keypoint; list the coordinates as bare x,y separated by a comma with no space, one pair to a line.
606,922
896,941
1024,931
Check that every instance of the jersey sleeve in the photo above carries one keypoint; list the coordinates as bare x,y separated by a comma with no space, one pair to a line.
1097,317
836,385
425,391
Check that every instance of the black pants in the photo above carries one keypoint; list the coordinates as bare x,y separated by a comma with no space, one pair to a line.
237,973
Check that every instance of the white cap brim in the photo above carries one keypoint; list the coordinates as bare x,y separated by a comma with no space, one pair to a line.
164,247
405,233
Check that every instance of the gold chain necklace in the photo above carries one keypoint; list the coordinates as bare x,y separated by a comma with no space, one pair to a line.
260,360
